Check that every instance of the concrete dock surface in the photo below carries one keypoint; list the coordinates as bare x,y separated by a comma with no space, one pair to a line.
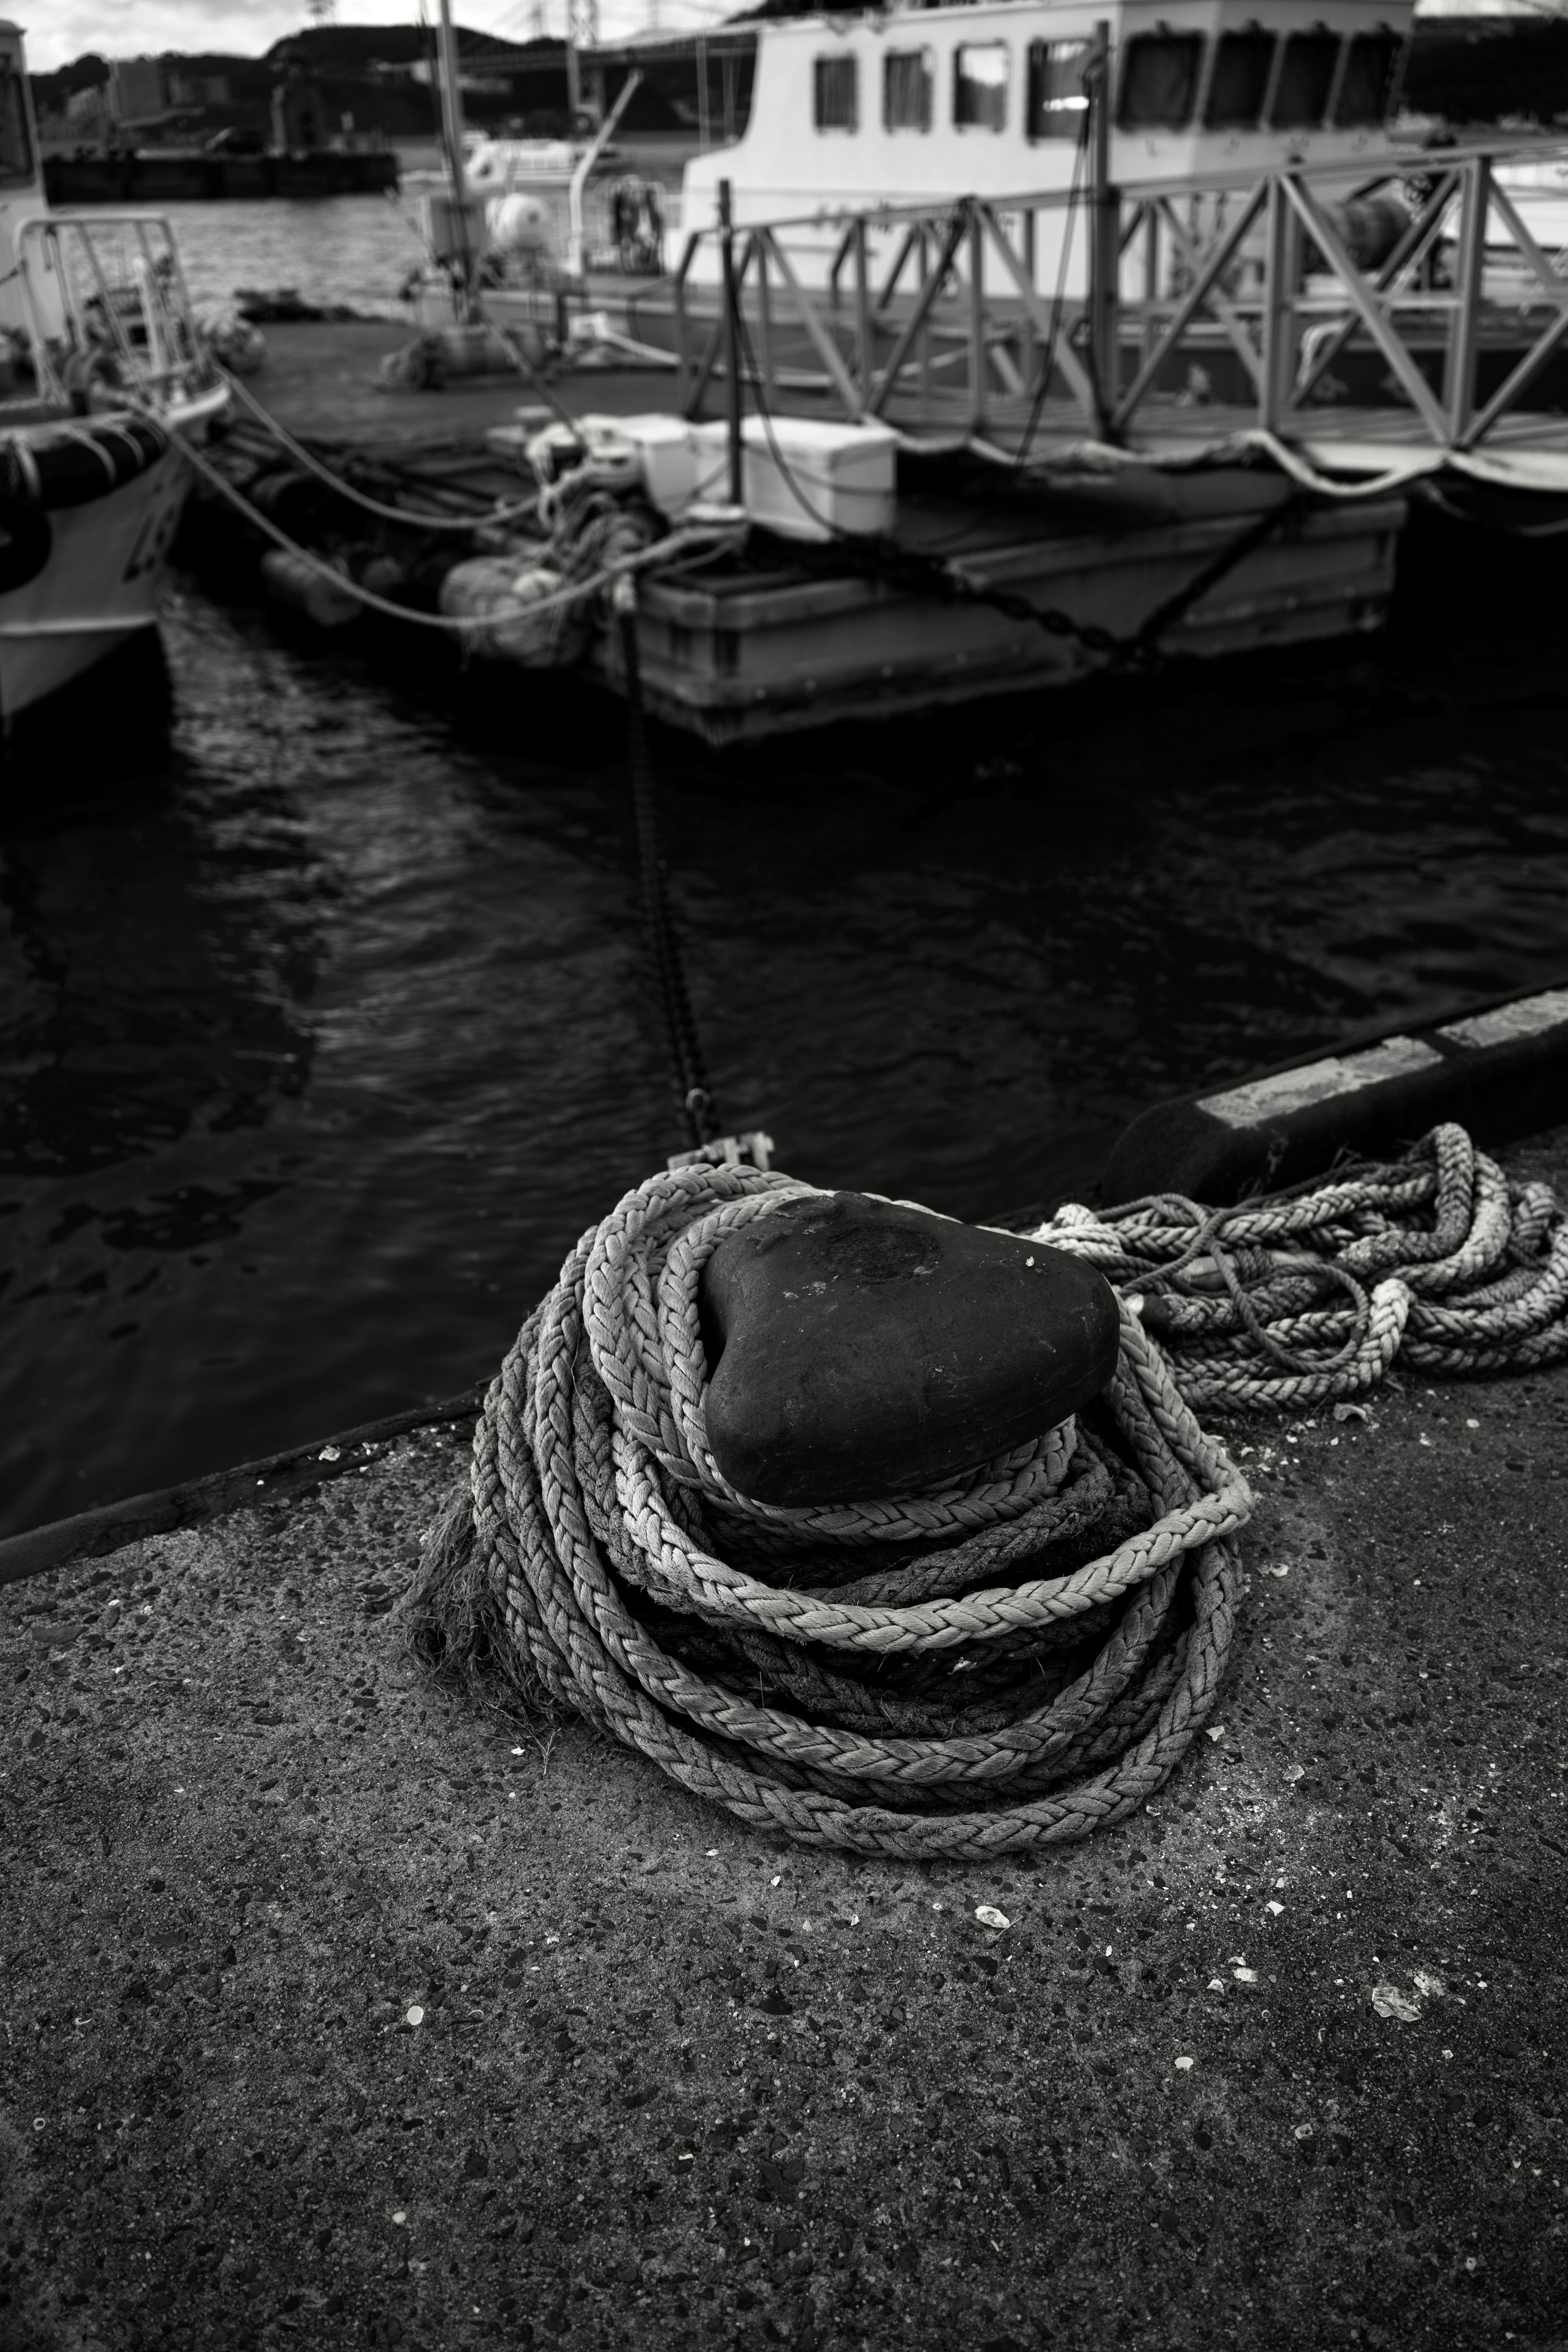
339,2011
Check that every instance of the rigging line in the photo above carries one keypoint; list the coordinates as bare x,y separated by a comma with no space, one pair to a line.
485,519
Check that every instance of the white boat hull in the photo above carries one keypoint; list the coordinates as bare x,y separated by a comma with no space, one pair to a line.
99,588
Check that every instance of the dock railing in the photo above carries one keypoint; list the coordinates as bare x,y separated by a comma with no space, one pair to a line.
108,308
936,316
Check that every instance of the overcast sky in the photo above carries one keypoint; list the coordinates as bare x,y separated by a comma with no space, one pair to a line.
58,30
62,29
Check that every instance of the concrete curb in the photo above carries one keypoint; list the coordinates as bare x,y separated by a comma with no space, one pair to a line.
88,1534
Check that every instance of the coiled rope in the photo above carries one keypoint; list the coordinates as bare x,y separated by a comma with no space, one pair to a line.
688,538
482,519
1017,1658
1014,1658
1437,1260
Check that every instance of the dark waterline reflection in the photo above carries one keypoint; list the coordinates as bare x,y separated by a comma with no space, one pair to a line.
327,1030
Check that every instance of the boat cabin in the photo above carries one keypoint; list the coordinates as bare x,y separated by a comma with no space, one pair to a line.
913,105
21,171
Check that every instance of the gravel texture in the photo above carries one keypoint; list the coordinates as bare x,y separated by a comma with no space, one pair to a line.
339,2013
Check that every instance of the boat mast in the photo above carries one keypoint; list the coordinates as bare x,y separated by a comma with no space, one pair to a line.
452,140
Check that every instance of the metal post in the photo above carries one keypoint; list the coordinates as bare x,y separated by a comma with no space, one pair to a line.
1463,331
977,364
1151,275
864,349
732,342
1028,341
764,318
1105,249
1281,251
452,138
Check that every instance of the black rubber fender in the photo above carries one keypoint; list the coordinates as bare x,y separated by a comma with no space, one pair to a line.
94,459
1499,1068
27,543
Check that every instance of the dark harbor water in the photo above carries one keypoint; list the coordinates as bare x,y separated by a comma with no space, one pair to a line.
326,1025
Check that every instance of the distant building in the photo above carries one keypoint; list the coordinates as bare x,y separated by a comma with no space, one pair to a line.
87,110
137,88
197,89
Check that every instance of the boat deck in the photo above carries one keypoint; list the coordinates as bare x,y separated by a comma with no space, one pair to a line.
321,383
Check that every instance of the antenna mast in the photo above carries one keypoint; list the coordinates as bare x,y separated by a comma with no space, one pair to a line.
581,33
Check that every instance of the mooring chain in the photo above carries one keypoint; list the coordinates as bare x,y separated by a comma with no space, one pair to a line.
698,1107
950,581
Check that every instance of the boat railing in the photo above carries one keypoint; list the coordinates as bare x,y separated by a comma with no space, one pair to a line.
932,315
108,312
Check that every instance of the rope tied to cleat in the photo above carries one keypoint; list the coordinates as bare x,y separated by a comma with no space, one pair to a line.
1019,1654
1437,1260
1015,1657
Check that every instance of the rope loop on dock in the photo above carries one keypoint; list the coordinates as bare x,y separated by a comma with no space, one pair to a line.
686,541
1013,1658
1437,1261
482,519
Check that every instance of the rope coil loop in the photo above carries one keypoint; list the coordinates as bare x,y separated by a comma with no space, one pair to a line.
1445,1264
1013,1658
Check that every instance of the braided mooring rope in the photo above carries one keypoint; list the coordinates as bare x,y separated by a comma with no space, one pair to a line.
1015,1657
1011,1658
1437,1260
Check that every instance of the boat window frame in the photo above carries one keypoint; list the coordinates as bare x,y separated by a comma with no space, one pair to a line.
961,49
1176,36
1317,31
925,56
1399,48
1037,60
846,62
1252,30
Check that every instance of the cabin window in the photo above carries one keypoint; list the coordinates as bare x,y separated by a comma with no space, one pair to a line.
836,93
1159,80
1367,85
1306,77
906,90
1058,101
1242,66
16,147
980,85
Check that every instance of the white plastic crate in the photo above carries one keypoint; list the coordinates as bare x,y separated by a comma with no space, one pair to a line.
807,478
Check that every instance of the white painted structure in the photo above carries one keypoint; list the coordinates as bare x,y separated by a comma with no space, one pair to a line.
101,305
913,105
21,177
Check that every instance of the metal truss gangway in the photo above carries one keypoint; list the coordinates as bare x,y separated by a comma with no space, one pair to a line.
1360,335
